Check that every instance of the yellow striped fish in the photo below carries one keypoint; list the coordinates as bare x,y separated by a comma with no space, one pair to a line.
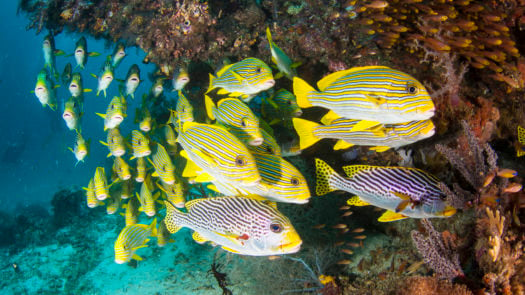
127,188
374,94
132,211
235,115
184,108
45,90
115,112
163,235
245,78
75,86
115,143
147,199
81,149
139,144
91,199
132,238
118,54
268,146
121,168
72,113
180,78
240,225
101,185
143,118
169,135
113,200
132,81
279,58
141,169
381,137
218,153
158,87
164,168
174,192
105,77
403,192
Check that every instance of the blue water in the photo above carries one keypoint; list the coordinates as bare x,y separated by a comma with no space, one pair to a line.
40,163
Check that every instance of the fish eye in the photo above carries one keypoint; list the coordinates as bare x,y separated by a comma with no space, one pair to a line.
269,149
243,122
112,106
240,161
258,70
411,89
294,181
289,102
276,228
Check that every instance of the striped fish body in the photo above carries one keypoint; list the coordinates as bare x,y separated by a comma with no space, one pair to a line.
139,144
174,192
81,52
131,238
105,77
100,182
81,149
143,117
115,143
91,199
218,153
45,90
141,169
164,168
383,186
380,139
268,146
237,117
118,55
374,93
115,113
72,113
245,78
50,52
147,200
184,109
132,211
132,80
169,135
113,201
280,180
240,225
76,87
121,168
127,189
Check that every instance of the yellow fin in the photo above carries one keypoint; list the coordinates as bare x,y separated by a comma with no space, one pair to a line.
136,257
153,228
88,89
237,76
364,125
269,36
341,145
353,169
278,75
209,106
305,130
212,187
301,90
323,172
210,85
204,177
198,238
103,116
380,149
329,117
520,152
391,216
224,69
155,174
229,249
191,203
356,201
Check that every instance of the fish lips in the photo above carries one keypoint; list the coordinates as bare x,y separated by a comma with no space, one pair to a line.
256,142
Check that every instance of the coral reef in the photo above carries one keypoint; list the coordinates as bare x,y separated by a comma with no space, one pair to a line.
419,285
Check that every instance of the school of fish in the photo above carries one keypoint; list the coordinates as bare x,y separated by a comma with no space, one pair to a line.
233,154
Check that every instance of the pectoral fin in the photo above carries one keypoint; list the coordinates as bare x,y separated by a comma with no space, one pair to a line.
364,125
356,201
391,216
199,238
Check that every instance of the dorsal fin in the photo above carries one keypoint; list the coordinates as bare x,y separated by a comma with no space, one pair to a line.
326,81
352,170
192,203
223,69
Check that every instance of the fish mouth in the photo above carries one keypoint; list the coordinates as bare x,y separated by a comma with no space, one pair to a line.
92,205
139,179
170,182
118,118
269,84
147,153
150,214
119,261
126,177
248,182
67,115
289,248
145,128
298,113
102,197
119,153
256,142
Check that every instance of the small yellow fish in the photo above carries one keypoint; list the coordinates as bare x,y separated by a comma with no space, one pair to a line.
105,77
180,79
184,108
115,113
143,117
132,211
174,192
164,168
113,201
45,90
100,182
72,113
115,143
91,199
141,169
507,173
131,238
121,168
513,188
81,149
147,200
139,144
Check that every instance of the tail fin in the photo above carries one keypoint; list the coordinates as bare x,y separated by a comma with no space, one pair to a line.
301,89
323,173
305,130
210,86
210,105
153,227
172,216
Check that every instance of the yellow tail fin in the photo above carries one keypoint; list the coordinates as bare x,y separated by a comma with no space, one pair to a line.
305,130
323,173
210,86
210,105
301,90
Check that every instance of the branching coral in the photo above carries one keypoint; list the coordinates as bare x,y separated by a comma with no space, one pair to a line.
438,253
